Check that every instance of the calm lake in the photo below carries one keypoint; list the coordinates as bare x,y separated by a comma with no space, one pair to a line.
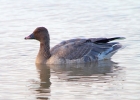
115,79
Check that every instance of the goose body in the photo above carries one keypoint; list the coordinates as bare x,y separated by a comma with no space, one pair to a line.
74,50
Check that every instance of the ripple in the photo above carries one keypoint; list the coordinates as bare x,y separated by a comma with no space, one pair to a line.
21,79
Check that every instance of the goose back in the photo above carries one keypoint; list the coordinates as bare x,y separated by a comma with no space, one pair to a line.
84,50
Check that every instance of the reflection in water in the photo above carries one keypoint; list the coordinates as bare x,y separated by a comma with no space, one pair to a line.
44,89
79,71
101,71
68,19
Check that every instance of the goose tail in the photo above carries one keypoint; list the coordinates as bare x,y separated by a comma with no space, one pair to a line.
109,52
106,40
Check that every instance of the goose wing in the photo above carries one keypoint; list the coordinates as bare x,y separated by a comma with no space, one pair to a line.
71,41
93,40
77,49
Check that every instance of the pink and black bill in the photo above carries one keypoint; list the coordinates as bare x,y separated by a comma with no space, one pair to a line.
31,36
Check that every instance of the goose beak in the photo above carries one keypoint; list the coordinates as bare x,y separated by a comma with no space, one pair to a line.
31,36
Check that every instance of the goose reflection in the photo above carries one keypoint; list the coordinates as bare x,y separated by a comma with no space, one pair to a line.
71,71
100,67
78,71
44,74
91,72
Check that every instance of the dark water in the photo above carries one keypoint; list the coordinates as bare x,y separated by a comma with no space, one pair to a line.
22,79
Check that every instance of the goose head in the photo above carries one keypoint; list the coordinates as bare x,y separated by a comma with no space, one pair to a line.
40,33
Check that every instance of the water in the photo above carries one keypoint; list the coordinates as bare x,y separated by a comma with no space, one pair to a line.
21,79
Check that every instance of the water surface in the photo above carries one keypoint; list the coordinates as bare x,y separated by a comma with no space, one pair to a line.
22,79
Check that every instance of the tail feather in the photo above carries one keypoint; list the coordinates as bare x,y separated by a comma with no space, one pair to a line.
110,52
108,40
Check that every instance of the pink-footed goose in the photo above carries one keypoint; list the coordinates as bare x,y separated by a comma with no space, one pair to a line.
74,50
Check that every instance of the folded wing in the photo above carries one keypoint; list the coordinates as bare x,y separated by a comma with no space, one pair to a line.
87,49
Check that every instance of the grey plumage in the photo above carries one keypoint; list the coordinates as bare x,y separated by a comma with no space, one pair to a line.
74,50
81,48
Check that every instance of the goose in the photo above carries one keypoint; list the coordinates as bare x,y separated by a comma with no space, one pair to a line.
73,50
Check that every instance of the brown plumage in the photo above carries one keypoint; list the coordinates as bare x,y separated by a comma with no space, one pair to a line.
74,50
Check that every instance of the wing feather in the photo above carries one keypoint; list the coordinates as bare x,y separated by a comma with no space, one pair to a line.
78,52
80,48
55,48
